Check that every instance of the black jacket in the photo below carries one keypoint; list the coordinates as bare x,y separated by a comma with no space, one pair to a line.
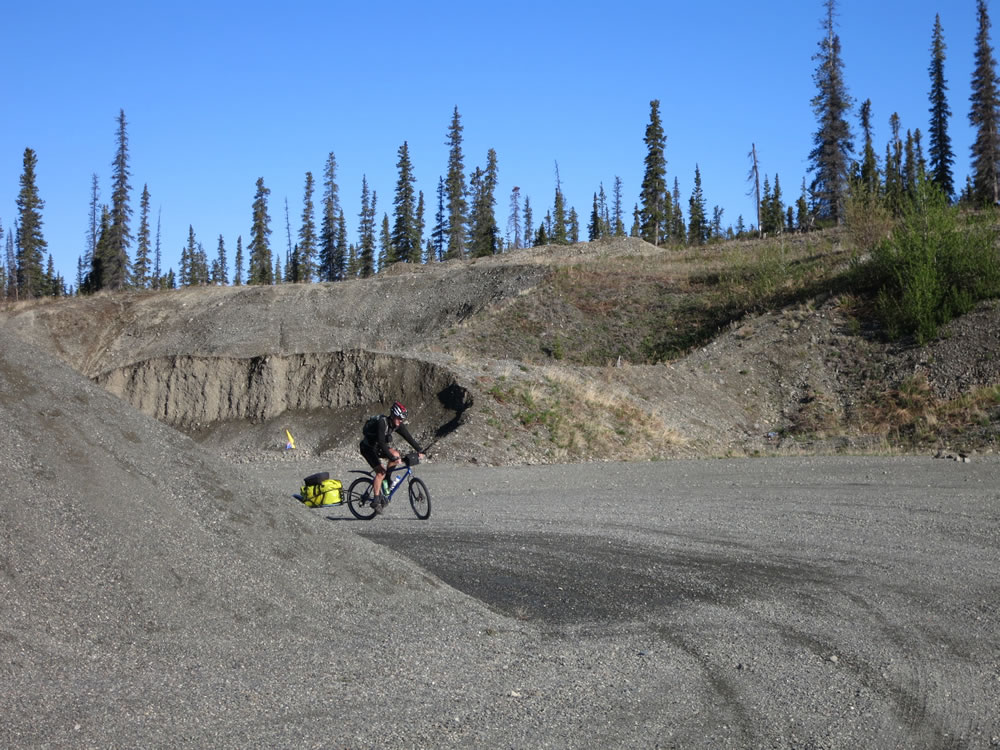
378,433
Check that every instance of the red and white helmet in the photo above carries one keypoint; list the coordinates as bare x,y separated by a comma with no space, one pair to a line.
398,411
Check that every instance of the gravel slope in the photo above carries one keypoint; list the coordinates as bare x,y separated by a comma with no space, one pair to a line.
157,596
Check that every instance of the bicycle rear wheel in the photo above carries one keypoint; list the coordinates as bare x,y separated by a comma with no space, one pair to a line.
359,499
420,498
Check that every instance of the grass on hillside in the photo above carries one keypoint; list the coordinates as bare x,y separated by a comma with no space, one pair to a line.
909,416
659,305
909,275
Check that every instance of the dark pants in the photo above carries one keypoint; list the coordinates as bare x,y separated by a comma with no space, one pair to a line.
371,454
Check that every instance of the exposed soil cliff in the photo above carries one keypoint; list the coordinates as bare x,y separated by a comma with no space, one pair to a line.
466,345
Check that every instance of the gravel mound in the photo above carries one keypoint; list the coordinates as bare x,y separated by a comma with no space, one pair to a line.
152,596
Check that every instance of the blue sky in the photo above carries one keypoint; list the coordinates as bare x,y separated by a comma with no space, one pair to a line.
217,95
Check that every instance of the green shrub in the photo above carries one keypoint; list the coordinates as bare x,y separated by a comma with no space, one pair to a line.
935,266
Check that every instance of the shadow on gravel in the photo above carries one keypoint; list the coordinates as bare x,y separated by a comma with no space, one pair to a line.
565,579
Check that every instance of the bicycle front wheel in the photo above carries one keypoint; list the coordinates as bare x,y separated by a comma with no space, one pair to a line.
420,499
359,499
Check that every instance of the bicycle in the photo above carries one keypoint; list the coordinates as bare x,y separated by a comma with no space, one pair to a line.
360,495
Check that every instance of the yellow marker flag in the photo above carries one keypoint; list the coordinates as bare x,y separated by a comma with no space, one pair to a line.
291,441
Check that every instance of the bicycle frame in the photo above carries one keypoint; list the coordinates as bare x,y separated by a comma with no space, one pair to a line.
388,475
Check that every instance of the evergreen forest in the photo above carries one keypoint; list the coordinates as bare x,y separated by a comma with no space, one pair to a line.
927,242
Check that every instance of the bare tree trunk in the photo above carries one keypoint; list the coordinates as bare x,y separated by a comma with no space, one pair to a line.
754,179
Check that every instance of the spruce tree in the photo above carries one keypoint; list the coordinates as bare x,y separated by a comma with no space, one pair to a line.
405,238
557,228
53,283
353,264
895,187
116,267
366,231
830,156
528,226
341,254
331,267
306,254
157,280
910,167
918,153
803,219
514,238
31,245
259,247
984,115
594,226
293,265
472,196
386,251
716,230
189,260
440,232
221,266
653,192
603,213
202,275
677,227
238,262
617,219
764,214
541,238
869,175
773,210
697,221
484,235
559,234
81,273
941,155
455,191
185,266
418,233
777,206
13,291
140,270
94,224
95,277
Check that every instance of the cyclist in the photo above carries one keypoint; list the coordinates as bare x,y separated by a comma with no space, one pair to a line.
376,445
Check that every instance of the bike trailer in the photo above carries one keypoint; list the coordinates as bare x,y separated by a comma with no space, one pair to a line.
319,490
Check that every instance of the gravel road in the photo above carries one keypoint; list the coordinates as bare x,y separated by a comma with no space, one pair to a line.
804,602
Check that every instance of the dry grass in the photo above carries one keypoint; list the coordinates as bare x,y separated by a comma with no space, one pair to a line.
574,416
910,416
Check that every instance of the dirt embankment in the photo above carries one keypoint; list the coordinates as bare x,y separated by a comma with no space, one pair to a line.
191,393
240,363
